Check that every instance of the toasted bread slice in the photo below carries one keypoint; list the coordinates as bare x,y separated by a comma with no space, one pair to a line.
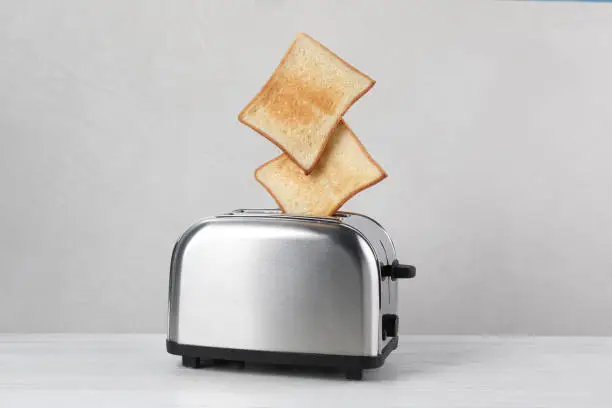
345,169
304,99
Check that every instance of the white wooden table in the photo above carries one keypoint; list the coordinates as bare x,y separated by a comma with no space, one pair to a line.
90,371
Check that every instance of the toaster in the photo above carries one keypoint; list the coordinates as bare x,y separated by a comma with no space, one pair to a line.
261,286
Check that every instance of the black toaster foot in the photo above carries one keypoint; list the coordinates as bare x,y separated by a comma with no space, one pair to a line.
354,374
197,362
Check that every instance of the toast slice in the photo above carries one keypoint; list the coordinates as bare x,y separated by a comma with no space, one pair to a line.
304,99
345,169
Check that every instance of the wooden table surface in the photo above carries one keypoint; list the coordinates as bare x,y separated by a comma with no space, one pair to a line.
90,371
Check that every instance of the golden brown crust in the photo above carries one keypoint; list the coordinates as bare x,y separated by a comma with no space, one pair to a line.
331,132
265,186
375,181
275,143
340,115
243,111
363,149
336,55
348,197
278,67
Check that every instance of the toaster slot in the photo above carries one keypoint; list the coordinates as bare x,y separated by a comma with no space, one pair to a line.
278,214
262,211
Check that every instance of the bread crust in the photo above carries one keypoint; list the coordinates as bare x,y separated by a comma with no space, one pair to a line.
340,115
345,199
280,205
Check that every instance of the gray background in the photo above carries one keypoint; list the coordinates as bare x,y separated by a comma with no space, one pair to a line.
493,119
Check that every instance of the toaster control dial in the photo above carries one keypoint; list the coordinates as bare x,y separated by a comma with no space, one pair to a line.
398,271
390,325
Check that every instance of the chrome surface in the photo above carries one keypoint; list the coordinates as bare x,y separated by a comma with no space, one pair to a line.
385,251
262,280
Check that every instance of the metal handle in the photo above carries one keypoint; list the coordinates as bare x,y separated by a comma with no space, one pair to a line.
398,271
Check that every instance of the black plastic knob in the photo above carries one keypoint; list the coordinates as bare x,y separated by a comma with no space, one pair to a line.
398,271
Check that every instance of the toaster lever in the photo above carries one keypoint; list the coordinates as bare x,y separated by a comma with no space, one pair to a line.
398,271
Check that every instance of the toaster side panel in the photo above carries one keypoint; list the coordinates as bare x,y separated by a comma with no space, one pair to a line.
174,284
277,285
385,250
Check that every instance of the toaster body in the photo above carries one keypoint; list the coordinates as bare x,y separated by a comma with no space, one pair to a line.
262,286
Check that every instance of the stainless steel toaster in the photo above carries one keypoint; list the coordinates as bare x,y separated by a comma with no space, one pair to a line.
266,287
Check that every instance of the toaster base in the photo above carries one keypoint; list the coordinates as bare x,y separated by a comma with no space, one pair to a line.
196,356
